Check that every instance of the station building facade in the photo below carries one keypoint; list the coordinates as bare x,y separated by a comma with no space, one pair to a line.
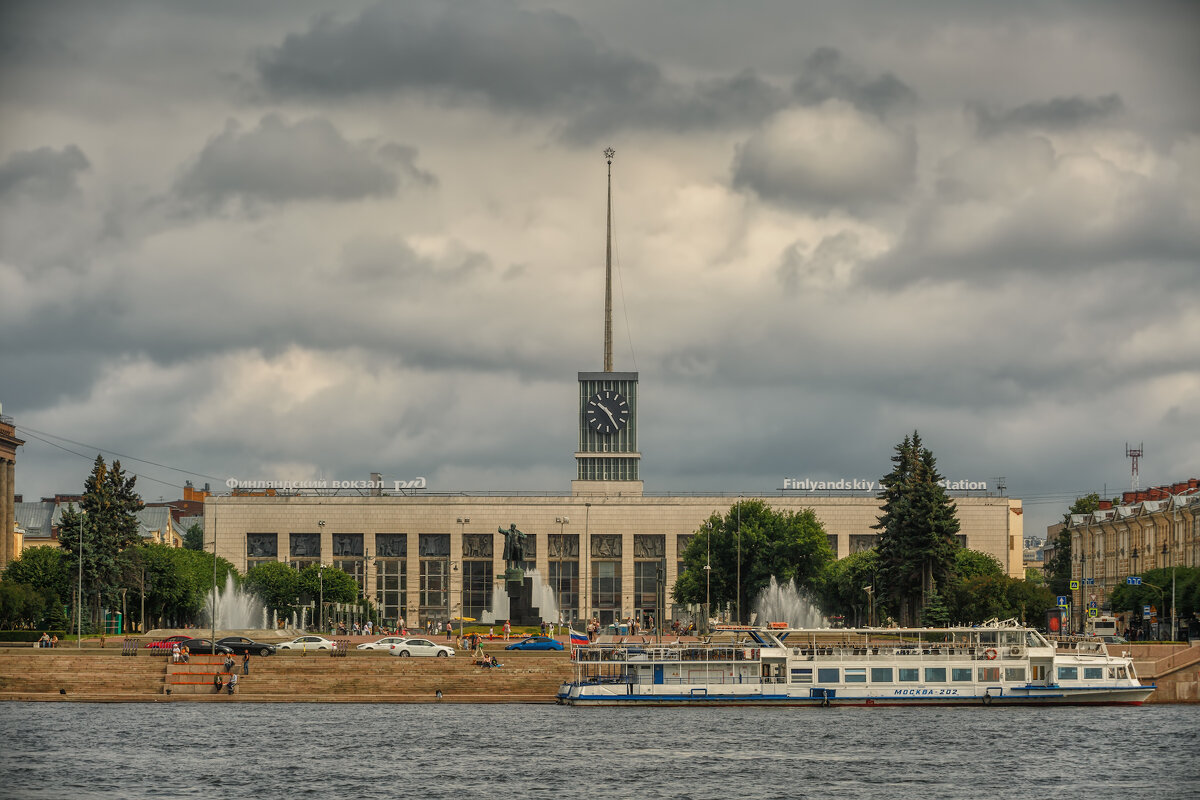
439,556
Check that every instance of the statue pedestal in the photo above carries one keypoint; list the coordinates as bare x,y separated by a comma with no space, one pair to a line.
519,589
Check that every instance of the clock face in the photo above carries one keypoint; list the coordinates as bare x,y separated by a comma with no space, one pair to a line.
606,412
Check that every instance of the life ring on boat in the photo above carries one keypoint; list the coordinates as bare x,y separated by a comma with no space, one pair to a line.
990,654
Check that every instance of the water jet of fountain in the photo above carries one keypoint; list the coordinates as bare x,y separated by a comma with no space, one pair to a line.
786,603
236,609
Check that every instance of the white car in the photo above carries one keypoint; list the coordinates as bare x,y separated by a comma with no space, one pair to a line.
381,644
420,647
307,643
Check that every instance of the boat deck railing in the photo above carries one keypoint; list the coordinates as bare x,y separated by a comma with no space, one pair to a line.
750,652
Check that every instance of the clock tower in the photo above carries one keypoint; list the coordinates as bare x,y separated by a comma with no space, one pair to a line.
607,459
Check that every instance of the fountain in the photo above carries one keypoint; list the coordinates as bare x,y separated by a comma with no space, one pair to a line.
788,604
543,600
236,609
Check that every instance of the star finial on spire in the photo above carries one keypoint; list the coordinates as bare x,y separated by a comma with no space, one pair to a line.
608,154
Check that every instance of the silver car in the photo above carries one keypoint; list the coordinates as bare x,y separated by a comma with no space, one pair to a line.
420,647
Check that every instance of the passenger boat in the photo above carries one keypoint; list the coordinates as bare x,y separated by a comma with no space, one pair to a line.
1000,663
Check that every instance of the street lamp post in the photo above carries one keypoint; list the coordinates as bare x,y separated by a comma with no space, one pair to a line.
321,576
1082,589
707,575
79,598
739,560
562,523
870,590
142,618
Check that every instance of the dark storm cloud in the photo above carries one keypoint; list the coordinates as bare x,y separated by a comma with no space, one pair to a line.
281,161
512,57
45,175
826,75
1059,113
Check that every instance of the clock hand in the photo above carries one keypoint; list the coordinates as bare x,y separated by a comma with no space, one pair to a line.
610,414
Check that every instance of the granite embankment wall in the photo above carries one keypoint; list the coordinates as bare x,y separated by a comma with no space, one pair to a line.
92,674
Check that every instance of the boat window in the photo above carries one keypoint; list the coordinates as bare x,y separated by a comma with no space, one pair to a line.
987,637
960,674
802,675
828,674
1093,673
1035,639
1068,673
881,674
935,674
910,674
1011,637
1014,674
991,674
856,674
1121,672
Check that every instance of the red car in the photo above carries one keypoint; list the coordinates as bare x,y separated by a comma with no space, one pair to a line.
166,644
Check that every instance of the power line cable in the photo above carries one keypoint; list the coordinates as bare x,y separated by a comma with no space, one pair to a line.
115,453
84,456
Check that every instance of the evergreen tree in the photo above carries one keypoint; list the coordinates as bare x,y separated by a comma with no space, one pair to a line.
108,522
918,529
193,537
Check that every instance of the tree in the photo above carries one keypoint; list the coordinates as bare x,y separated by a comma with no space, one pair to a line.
786,545
193,537
275,583
918,530
1058,568
844,583
42,568
107,524
973,563
178,582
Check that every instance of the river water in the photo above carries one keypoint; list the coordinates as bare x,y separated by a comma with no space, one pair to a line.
482,752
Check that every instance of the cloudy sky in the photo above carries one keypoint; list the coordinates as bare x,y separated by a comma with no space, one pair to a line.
314,240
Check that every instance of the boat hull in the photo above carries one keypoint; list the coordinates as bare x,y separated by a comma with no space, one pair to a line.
588,696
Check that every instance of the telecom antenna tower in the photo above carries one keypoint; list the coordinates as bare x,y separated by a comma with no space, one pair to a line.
1134,453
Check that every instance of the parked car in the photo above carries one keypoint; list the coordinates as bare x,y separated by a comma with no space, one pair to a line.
307,643
240,645
1114,639
420,647
167,643
381,644
536,643
205,646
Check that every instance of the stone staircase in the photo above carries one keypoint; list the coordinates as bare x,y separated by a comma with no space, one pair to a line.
90,675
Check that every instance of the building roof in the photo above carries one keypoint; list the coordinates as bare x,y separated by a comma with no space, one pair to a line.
36,519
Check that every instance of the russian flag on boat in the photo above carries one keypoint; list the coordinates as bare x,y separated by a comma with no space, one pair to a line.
578,639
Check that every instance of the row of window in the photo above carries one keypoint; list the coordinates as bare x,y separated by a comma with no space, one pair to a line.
827,675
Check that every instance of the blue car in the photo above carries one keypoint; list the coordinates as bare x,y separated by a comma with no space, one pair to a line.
536,643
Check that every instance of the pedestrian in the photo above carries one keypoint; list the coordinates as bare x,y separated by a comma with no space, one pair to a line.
232,682
507,629
54,640
217,683
175,653
185,653
246,663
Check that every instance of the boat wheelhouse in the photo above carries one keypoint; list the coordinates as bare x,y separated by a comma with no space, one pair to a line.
1001,663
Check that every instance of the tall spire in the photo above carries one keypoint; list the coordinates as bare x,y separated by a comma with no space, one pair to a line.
608,359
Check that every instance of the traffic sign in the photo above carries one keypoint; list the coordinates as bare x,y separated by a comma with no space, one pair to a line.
1093,604
1134,580
1062,599
1090,581
1145,612
1092,612
1074,586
